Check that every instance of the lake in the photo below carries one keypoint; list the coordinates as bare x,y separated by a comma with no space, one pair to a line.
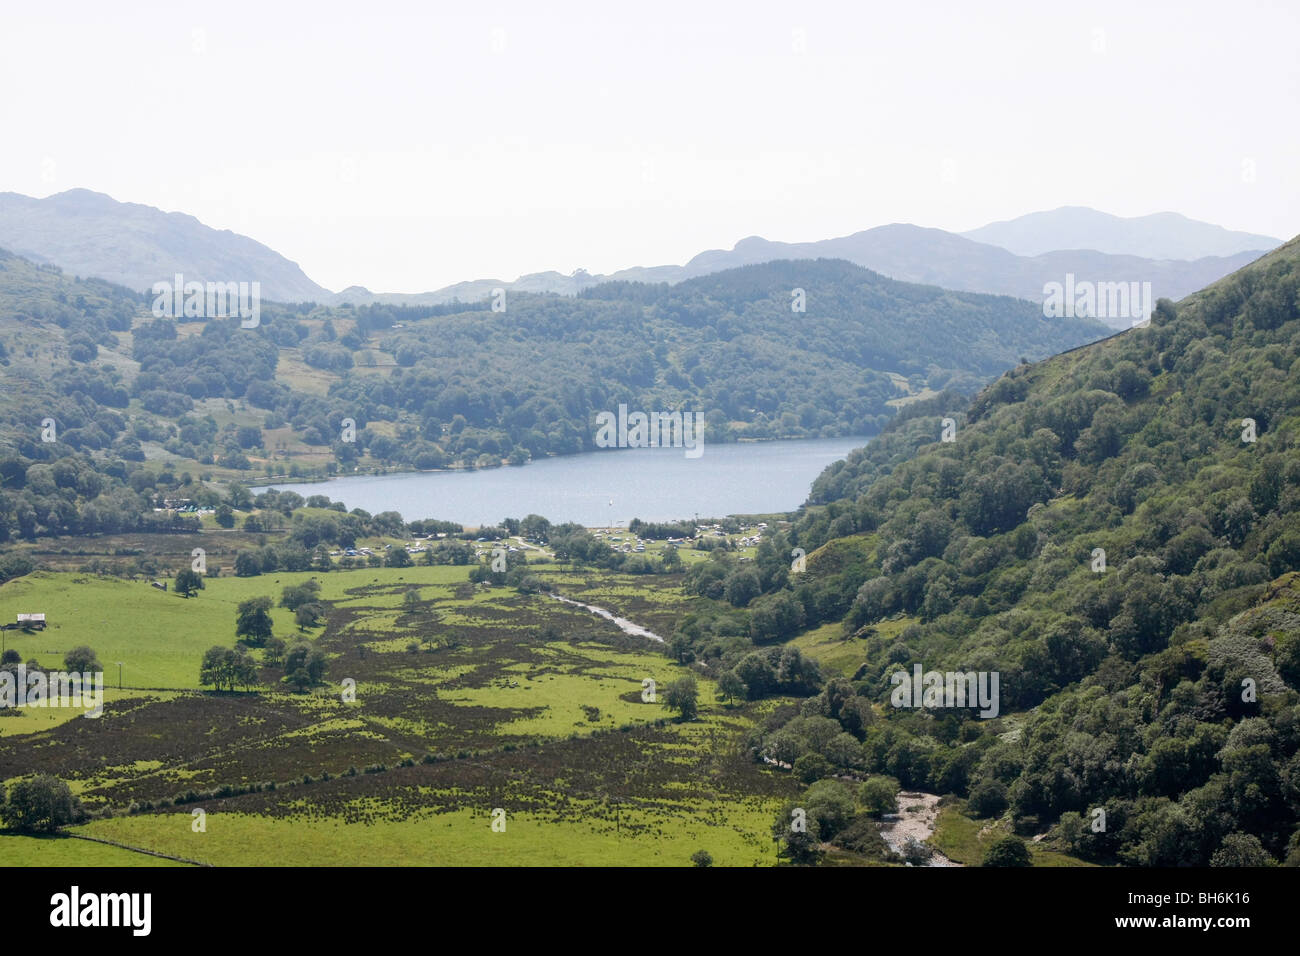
601,489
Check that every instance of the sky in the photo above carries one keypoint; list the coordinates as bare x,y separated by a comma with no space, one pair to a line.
407,146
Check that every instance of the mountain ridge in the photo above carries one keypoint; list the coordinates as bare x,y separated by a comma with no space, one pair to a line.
1160,235
136,245
1115,532
90,233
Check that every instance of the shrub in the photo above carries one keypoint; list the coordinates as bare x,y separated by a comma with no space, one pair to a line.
42,804
1007,851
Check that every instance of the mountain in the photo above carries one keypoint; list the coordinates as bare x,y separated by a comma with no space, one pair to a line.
462,385
133,245
1113,533
91,234
900,251
935,257
1162,235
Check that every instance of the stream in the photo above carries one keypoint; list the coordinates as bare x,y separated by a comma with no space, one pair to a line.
626,626
917,811
916,815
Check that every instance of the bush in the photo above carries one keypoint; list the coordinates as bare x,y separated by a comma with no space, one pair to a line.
296,595
917,853
1007,851
878,796
988,798
83,660
811,767
42,804
862,835
829,803
682,696
1241,849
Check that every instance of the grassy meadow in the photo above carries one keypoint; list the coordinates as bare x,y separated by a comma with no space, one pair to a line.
469,700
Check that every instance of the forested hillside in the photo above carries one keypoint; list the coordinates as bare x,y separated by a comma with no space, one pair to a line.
1116,532
178,409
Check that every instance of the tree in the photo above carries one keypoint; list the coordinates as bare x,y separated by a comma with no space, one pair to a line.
306,658
731,687
273,652
296,595
187,582
757,673
1241,849
211,669
741,586
247,564
225,517
683,695
811,767
879,795
308,615
988,798
796,833
1284,554
228,667
253,621
829,803
535,527
1007,851
702,858
81,660
42,804
239,497
776,618
398,558
856,715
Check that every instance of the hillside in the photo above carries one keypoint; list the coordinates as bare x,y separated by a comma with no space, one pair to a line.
91,234
900,251
152,403
1162,235
1109,535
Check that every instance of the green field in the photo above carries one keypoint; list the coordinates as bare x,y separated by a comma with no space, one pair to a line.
965,840
475,698
734,834
16,850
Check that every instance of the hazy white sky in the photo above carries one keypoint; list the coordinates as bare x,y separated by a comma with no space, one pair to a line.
405,146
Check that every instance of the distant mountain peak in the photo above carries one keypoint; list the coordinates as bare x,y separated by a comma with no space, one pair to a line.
92,234
1161,235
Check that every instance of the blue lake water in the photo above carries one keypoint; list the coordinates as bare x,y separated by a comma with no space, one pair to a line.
603,488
